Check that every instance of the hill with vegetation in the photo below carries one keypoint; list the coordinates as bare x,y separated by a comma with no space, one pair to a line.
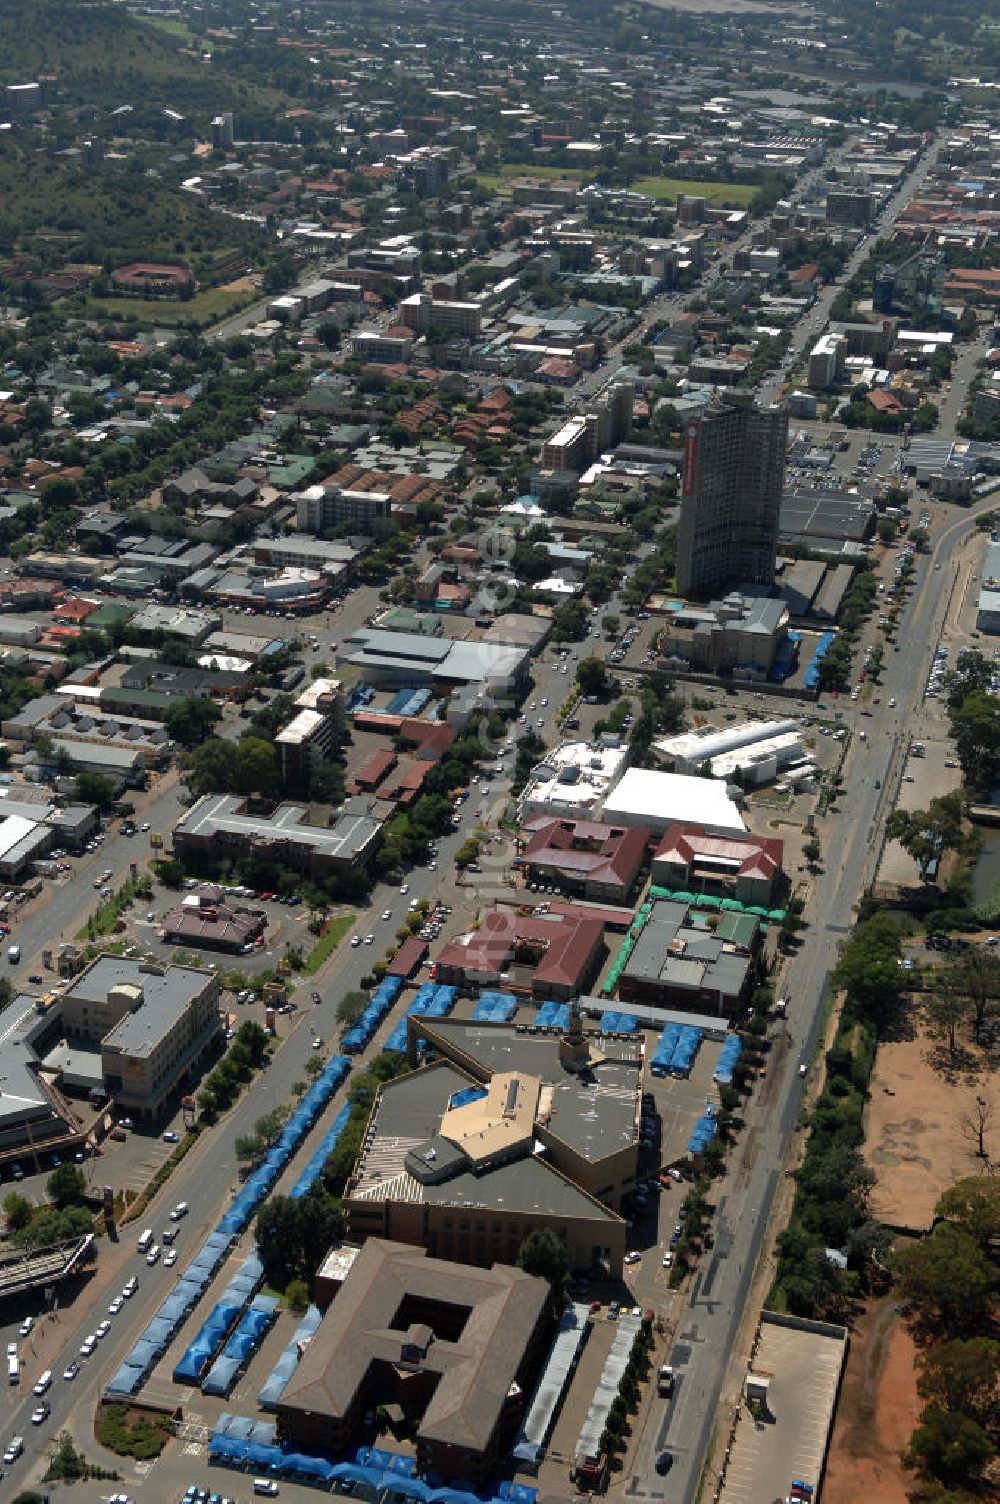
103,58
55,210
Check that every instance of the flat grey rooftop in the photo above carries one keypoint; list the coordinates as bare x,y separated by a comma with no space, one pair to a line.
409,1113
595,1116
21,1094
656,958
216,813
165,998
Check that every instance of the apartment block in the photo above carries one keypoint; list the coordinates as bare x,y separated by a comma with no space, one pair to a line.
150,1025
826,362
579,441
323,506
313,733
427,315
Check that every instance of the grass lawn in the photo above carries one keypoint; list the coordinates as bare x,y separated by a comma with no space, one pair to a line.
105,918
206,307
176,29
738,194
327,944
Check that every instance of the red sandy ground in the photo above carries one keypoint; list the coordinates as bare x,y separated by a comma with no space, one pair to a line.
913,1135
876,1413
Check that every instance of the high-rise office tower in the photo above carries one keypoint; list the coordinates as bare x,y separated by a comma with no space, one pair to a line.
222,132
734,467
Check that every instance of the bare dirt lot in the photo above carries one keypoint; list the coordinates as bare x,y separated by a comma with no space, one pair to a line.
914,1138
876,1413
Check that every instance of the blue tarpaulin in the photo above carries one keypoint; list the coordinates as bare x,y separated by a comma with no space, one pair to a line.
353,1472
226,1446
221,1376
126,1380
310,1467
406,1488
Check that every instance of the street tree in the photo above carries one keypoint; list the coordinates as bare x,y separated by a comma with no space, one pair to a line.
591,676
545,1254
869,967
67,1186
253,1039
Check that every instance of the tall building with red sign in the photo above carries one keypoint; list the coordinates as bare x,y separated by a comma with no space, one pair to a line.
731,484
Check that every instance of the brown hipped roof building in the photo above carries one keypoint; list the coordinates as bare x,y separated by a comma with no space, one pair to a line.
454,1346
561,951
598,861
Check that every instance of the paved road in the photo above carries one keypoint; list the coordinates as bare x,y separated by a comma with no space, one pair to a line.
813,322
851,843
208,1174
65,905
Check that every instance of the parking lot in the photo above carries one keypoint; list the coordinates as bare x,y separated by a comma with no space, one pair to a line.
680,1102
790,1437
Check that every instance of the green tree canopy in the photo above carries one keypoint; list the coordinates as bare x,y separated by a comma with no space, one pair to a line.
293,1237
219,766
94,788
976,978
17,1210
926,834
975,727
190,721
545,1254
964,1375
948,1279
949,1445
67,1186
869,967
591,676
973,1204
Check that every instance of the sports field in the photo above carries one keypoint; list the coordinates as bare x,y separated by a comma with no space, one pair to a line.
738,195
